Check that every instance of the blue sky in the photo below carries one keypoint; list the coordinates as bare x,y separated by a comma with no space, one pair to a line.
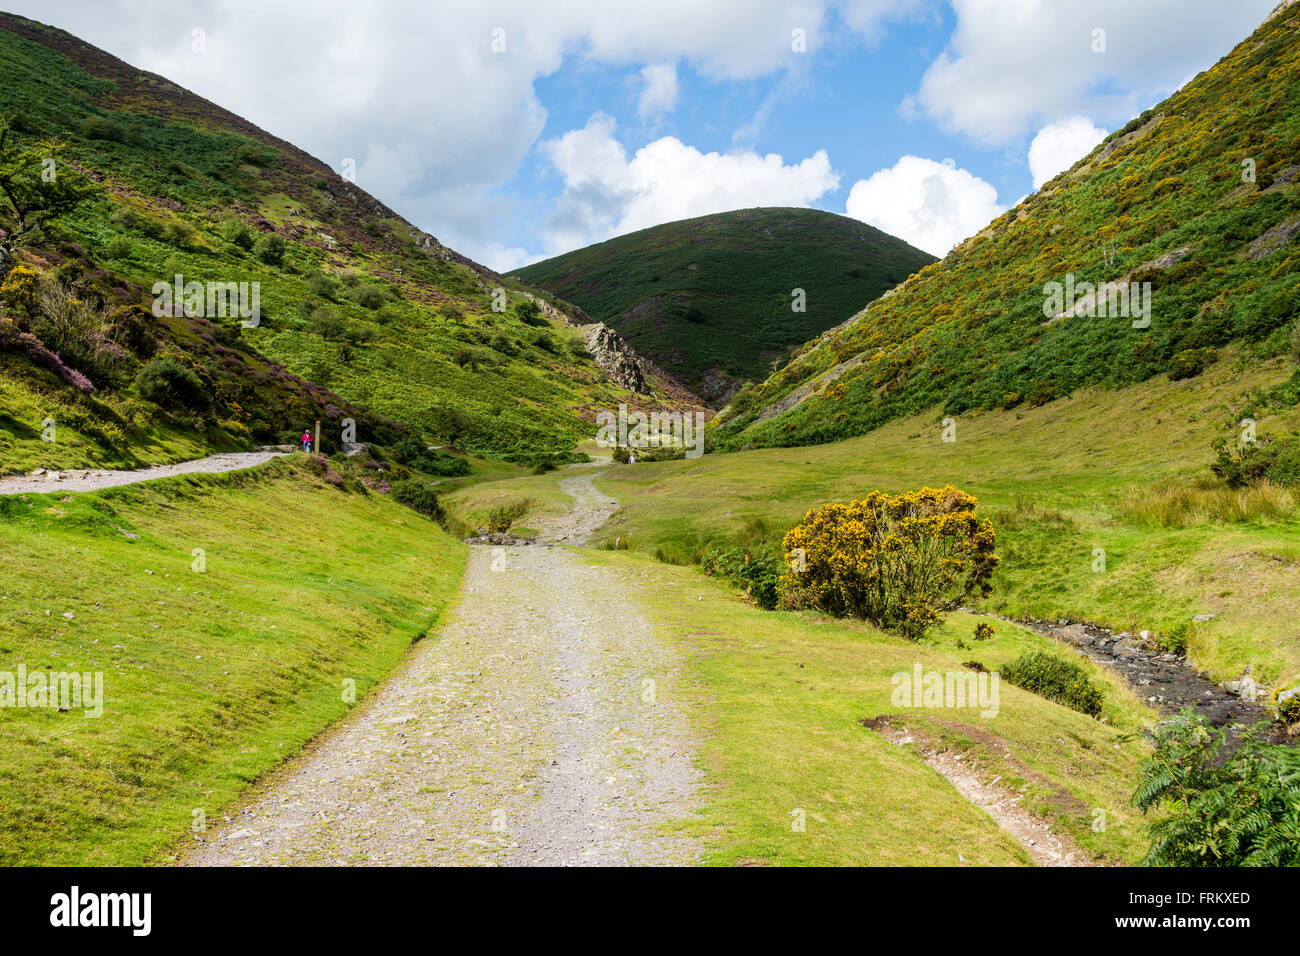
514,130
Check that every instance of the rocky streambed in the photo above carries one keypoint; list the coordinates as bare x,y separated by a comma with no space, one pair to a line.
1165,679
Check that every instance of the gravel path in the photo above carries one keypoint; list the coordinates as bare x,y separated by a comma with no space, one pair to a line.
80,479
522,733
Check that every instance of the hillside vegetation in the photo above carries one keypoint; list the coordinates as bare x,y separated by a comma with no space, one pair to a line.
216,666
710,299
1196,196
358,309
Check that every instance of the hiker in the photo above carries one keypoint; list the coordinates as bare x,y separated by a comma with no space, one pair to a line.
306,440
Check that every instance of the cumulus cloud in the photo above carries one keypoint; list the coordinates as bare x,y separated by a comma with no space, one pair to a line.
659,94
1059,145
1017,63
608,194
932,205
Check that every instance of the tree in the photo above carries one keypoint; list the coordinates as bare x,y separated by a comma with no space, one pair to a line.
34,188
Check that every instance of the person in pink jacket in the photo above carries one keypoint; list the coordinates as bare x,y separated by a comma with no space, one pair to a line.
306,440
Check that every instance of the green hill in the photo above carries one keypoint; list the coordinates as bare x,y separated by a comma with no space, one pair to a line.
1169,199
358,309
710,299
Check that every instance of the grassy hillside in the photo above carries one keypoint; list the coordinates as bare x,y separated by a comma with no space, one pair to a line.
211,677
354,301
1126,472
709,299
1163,200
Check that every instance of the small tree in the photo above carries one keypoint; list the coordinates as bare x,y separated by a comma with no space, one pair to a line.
34,188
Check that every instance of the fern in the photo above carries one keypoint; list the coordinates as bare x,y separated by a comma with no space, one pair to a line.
1237,809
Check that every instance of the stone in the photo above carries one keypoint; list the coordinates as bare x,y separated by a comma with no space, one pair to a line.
1204,617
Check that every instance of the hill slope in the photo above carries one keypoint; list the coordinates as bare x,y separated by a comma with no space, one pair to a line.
1166,200
710,299
356,304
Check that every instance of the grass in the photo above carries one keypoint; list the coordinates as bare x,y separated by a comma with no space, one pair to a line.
210,679
1059,482
781,697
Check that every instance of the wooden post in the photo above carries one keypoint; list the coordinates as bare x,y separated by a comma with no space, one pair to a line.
316,439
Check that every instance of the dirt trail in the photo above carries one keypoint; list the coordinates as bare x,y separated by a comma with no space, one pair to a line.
1002,805
82,479
522,733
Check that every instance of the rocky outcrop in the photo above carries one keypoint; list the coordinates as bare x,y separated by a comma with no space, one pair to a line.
616,358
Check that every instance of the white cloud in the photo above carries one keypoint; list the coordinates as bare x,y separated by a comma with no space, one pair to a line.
1018,63
659,95
1059,145
607,194
932,205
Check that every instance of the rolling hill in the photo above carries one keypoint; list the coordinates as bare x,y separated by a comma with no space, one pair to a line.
360,314
1196,197
710,299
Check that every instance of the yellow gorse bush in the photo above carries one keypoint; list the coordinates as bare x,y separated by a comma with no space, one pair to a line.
892,560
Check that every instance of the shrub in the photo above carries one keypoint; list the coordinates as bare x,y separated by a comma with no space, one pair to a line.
368,296
19,289
1056,679
1241,463
984,631
237,233
1295,341
418,495
119,247
1190,362
755,570
530,313
893,561
270,249
166,382
1288,709
1242,809
500,520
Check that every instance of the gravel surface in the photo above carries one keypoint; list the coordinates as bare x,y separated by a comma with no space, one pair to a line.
522,733
80,479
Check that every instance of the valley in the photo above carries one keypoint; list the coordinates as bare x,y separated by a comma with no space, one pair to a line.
754,538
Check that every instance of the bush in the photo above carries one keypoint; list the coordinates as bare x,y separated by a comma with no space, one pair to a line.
368,296
235,232
1190,362
418,495
893,561
755,570
500,520
166,382
1056,679
1241,463
119,247
270,249
1238,810
410,452
19,289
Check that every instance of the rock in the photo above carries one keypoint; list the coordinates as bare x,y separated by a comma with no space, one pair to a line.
1204,617
1126,649
615,357
501,539
1288,694
129,534
1145,635
37,473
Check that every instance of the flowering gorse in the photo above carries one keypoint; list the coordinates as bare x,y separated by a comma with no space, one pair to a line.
892,560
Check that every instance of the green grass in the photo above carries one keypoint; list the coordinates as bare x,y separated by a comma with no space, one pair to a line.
1058,482
714,294
970,332
210,679
780,697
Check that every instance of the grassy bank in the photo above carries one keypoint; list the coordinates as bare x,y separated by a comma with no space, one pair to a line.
210,678
782,695
1059,481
